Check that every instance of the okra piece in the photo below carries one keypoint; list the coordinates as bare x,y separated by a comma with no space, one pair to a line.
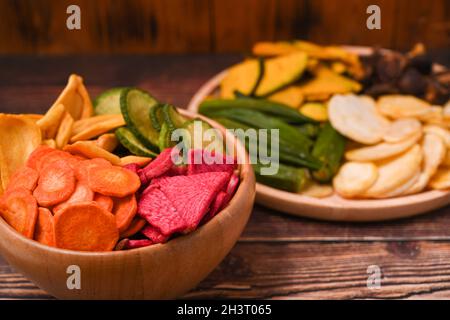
329,149
287,178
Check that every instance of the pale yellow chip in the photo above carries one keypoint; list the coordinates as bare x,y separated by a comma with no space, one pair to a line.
441,180
382,150
432,115
99,128
395,172
64,131
402,129
439,131
108,141
402,189
141,161
89,149
356,118
76,98
49,123
419,185
316,190
434,151
401,106
354,178
19,136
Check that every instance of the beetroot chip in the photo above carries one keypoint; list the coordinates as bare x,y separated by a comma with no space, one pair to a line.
157,167
217,205
154,234
159,211
133,244
192,195
232,185
201,161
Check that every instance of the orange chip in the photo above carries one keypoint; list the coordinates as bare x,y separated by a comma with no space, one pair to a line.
20,211
36,156
82,193
24,178
113,181
136,225
105,202
81,170
56,184
125,210
85,226
45,228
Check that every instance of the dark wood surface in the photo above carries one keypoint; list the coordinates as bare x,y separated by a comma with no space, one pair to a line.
277,256
183,26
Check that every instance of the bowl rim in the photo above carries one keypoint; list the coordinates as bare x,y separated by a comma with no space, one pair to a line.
244,171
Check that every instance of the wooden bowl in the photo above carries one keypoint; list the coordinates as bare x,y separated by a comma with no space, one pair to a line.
336,208
161,271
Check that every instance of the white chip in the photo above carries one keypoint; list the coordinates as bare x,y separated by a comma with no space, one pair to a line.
382,150
441,132
396,172
401,106
441,180
354,178
402,129
316,190
356,118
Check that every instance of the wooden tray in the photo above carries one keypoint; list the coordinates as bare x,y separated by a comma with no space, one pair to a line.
336,208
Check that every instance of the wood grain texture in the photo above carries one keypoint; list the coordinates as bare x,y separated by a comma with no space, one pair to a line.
181,26
277,256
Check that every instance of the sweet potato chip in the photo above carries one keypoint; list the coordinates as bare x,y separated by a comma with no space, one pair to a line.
89,149
125,210
24,178
49,124
19,136
108,141
136,225
76,99
99,128
140,161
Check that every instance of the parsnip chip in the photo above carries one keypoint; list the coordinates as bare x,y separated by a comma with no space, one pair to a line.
49,123
141,161
434,151
108,141
401,106
446,161
402,129
439,131
402,189
50,142
83,124
395,172
99,128
356,118
382,150
89,149
316,190
19,136
33,116
76,98
64,131
354,178
441,180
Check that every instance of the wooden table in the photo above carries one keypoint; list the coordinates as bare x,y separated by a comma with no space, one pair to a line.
278,256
